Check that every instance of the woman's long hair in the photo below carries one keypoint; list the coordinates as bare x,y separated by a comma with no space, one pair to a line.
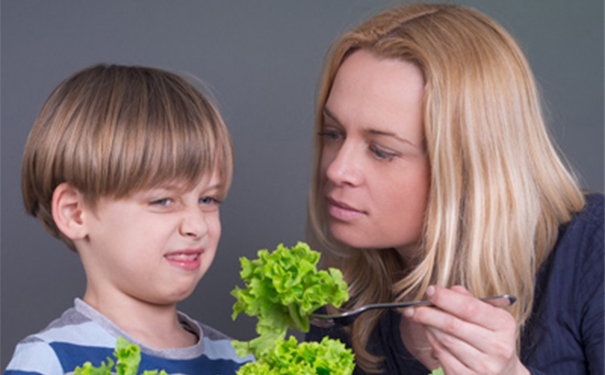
499,189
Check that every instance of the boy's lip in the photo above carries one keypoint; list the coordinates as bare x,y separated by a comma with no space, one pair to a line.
187,259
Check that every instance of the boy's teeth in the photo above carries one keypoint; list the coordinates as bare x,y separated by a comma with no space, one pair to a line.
183,256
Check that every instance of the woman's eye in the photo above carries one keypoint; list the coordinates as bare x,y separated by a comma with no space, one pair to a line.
331,135
382,154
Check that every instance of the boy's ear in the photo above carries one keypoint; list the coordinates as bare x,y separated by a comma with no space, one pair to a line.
68,211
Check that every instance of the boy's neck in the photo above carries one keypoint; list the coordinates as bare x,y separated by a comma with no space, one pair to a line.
156,326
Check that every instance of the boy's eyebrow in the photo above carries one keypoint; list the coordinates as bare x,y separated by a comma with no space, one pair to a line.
217,186
176,187
329,113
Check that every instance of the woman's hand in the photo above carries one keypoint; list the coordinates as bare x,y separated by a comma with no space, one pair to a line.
469,336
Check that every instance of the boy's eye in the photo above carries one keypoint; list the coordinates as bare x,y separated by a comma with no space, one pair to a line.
163,202
382,154
208,201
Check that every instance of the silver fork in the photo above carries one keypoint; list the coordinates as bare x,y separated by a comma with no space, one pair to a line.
348,317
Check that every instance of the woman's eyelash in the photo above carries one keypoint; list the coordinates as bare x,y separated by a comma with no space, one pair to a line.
379,153
382,154
330,134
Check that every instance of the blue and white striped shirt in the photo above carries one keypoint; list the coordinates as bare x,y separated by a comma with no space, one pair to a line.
83,334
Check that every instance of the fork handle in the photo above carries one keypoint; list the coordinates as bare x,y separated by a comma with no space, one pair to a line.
504,299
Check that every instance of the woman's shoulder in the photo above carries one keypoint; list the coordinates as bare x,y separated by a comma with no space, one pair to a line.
574,267
578,256
585,230
593,211
568,303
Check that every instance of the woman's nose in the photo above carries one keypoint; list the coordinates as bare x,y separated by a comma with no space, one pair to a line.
344,166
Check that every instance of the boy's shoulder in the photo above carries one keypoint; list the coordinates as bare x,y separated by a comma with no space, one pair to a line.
73,327
82,334
66,342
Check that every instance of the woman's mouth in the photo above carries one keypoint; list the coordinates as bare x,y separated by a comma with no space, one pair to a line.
342,211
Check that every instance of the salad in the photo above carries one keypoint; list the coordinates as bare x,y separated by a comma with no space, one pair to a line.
281,289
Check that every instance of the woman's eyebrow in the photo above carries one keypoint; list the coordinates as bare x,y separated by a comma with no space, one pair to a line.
387,134
376,132
331,115
393,135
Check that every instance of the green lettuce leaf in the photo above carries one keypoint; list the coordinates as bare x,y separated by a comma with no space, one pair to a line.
282,288
88,369
437,371
307,358
128,358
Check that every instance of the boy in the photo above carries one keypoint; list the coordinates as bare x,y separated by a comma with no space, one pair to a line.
128,166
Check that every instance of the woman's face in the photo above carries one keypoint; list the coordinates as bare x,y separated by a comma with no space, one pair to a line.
374,167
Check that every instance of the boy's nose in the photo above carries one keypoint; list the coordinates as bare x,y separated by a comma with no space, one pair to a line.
194,224
345,167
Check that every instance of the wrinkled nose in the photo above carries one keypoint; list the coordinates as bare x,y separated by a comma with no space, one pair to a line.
194,224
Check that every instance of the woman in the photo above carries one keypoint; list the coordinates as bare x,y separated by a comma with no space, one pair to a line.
435,178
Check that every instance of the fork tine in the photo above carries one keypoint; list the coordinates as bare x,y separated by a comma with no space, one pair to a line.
322,323
344,321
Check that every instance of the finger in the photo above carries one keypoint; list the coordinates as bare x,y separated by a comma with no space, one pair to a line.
442,321
450,363
467,355
462,290
467,307
503,301
458,356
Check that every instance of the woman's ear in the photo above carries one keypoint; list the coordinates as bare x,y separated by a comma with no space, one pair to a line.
68,211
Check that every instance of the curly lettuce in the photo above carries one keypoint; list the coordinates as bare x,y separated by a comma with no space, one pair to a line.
283,288
128,358
307,358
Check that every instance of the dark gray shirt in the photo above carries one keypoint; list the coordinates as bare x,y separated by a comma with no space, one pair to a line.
564,335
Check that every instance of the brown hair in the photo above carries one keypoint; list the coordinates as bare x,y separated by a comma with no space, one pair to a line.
112,130
498,190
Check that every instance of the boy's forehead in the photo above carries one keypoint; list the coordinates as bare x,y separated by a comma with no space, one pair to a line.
209,179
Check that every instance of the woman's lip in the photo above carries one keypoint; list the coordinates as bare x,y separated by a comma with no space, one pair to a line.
342,211
185,259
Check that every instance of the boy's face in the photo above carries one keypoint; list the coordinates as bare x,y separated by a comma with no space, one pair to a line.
153,246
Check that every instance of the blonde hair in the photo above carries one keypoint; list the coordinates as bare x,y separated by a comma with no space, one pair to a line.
498,189
114,130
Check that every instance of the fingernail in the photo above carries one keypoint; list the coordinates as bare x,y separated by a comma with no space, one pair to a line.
430,291
408,312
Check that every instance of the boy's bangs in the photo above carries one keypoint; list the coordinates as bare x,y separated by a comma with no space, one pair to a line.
171,134
174,152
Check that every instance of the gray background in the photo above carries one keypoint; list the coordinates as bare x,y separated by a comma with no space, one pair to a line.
261,59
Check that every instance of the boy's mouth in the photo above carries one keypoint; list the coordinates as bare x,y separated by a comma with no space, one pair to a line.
186,259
